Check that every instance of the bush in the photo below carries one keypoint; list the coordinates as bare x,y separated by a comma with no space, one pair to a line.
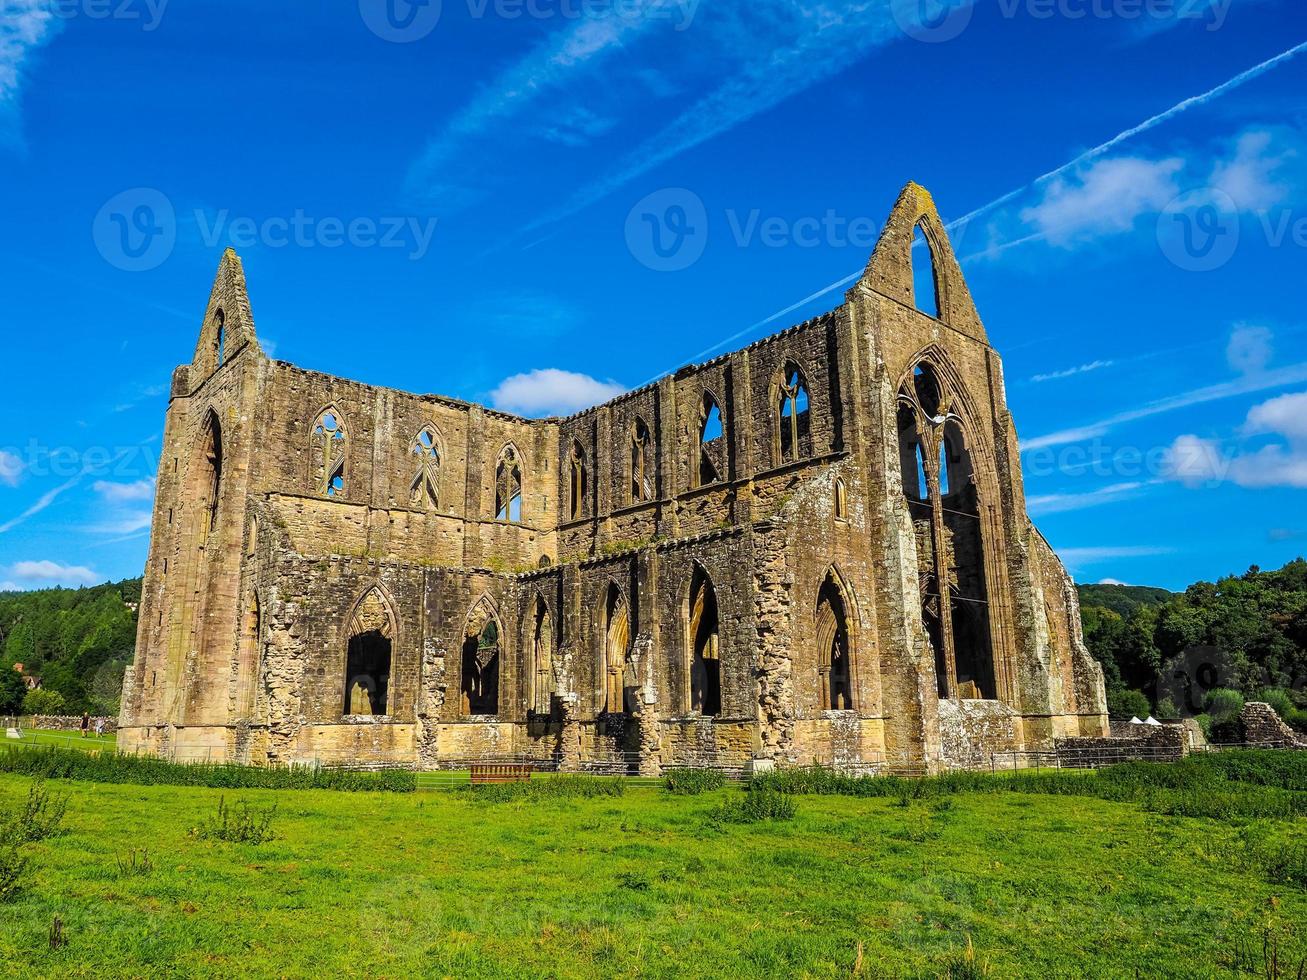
759,805
1223,705
12,867
43,702
144,770
692,782
1166,710
40,816
240,826
1125,703
551,788
1277,698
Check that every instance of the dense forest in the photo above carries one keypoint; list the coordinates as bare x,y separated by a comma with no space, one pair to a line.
78,641
1205,650
1163,653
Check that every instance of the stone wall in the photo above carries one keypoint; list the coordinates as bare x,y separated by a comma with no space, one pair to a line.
1262,726
69,723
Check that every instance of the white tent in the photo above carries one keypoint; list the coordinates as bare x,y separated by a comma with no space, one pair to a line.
1153,721
1135,720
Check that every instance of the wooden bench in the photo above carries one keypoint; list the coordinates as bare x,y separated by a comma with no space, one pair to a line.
501,772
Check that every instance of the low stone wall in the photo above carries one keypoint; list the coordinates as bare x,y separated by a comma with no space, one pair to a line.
1157,743
1262,726
69,723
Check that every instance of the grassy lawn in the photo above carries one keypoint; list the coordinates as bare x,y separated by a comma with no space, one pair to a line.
434,884
65,740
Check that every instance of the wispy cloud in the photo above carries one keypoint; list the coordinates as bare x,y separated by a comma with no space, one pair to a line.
126,522
1071,372
25,25
125,492
1250,348
1108,197
1264,381
1096,555
550,391
1059,503
1197,461
52,572
44,501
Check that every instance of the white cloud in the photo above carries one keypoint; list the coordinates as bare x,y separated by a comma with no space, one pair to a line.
1111,581
550,391
1250,349
1059,503
1195,461
11,468
25,25
1107,197
53,572
1071,372
10,587
1253,174
123,492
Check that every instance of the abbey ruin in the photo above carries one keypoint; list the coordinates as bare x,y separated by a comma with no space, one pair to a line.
812,549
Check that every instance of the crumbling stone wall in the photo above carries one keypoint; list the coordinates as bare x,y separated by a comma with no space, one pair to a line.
351,517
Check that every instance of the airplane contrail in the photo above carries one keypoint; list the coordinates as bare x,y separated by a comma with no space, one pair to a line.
1180,107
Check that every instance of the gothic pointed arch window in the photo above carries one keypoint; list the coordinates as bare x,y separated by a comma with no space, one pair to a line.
642,486
207,478
219,338
841,500
616,650
330,441
834,649
925,275
508,487
793,424
479,683
371,634
577,483
712,443
425,488
705,646
542,654
945,507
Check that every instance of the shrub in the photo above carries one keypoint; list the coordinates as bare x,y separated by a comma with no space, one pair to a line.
759,805
12,867
40,816
43,702
1166,710
243,825
551,787
1277,698
692,782
1124,703
109,767
1223,705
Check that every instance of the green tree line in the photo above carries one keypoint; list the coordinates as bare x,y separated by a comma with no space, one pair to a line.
78,641
1204,650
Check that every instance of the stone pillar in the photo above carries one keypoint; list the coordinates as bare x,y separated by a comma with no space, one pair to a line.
569,735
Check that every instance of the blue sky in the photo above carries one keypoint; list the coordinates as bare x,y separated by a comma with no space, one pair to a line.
462,197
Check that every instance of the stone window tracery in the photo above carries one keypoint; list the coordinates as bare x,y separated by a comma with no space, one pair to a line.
425,489
330,441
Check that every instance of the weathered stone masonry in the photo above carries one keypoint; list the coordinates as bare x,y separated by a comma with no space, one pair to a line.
812,549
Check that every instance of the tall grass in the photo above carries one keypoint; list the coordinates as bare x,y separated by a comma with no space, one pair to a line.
54,763
549,788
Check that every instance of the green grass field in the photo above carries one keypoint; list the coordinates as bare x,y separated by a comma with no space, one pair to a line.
646,884
65,740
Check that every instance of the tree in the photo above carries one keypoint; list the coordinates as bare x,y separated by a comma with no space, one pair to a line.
1125,703
12,690
43,702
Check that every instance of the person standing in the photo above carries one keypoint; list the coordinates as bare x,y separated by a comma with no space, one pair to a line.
86,723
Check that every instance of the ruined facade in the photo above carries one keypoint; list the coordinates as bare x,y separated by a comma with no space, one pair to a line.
812,549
